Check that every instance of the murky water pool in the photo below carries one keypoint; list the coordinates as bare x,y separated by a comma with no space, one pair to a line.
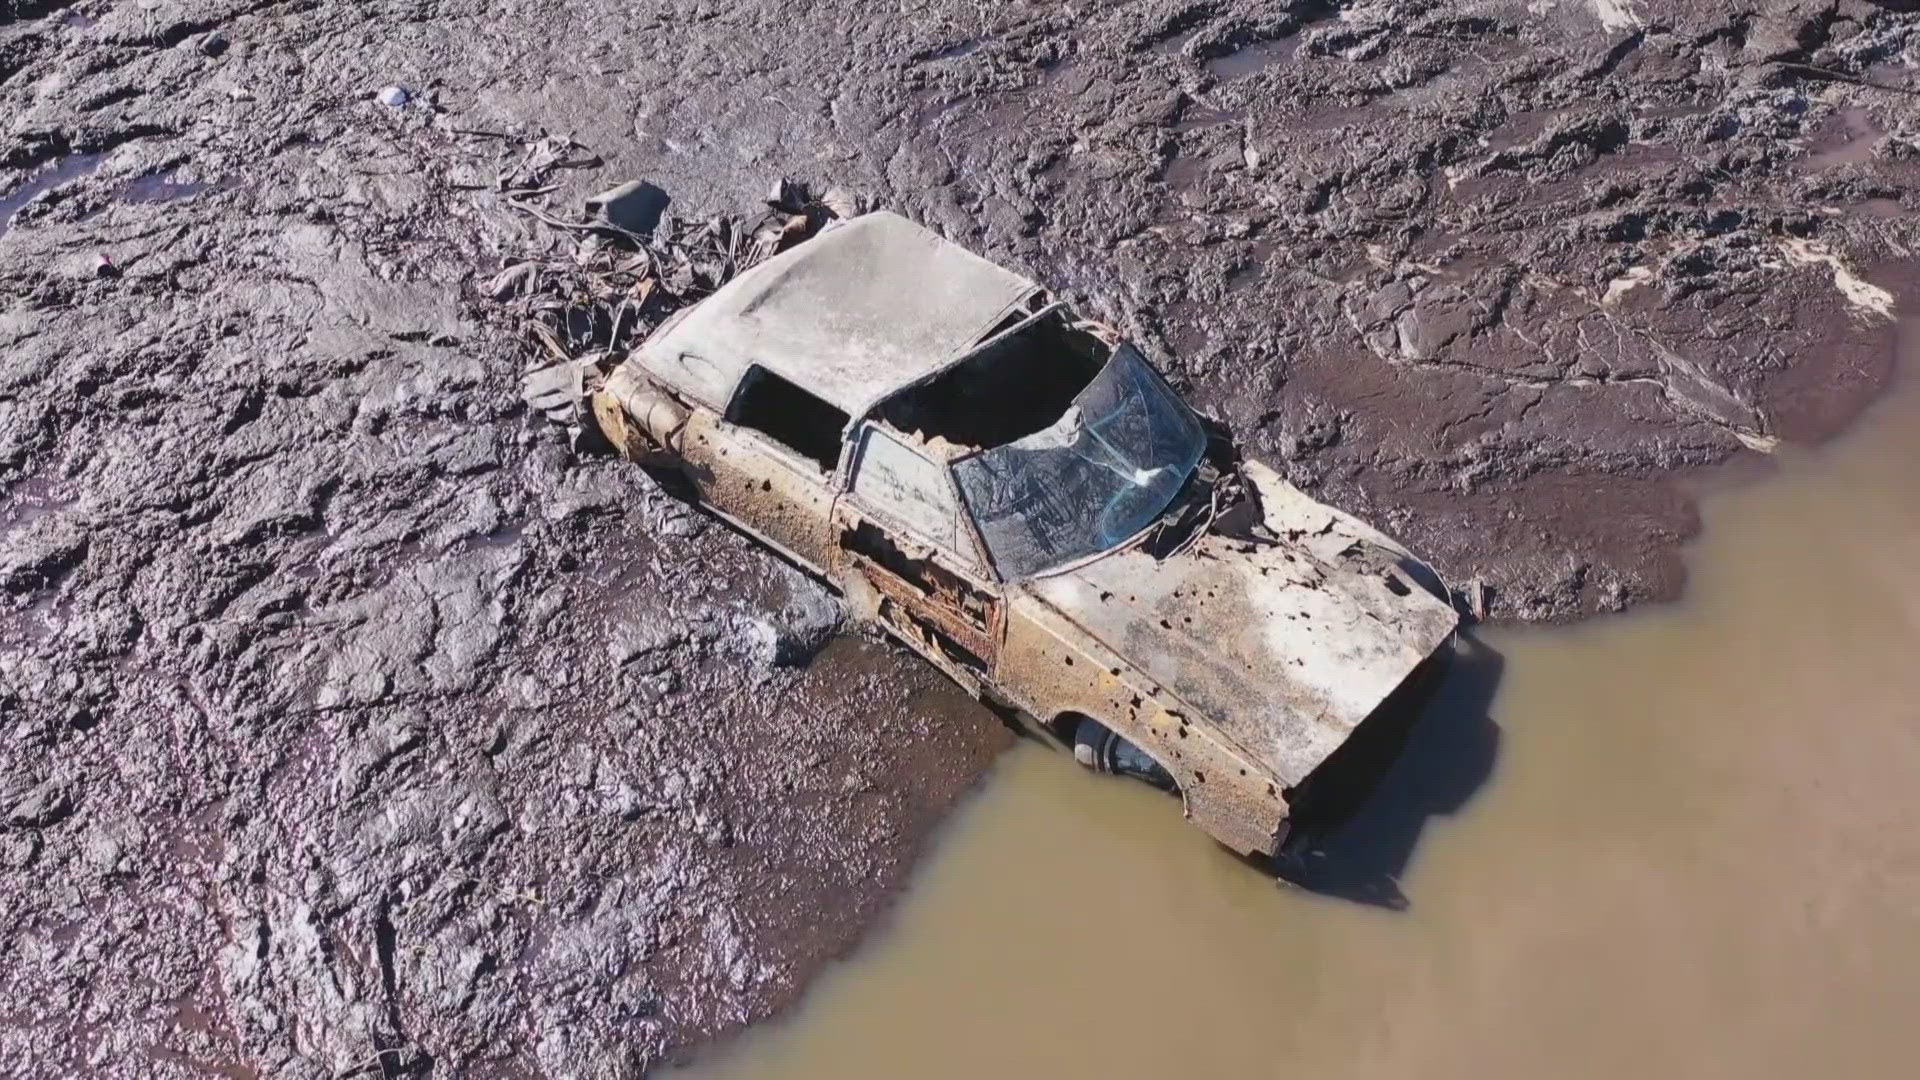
1695,853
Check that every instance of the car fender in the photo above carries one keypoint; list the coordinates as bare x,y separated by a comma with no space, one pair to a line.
1049,667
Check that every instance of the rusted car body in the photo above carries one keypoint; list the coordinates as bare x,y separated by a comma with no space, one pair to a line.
1016,494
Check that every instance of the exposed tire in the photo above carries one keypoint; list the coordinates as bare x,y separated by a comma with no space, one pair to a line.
1099,748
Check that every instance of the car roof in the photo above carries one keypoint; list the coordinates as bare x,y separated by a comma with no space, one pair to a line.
869,306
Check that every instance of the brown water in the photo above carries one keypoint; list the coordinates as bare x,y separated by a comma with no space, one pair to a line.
1697,855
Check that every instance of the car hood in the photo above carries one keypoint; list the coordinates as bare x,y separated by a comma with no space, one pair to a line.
1285,639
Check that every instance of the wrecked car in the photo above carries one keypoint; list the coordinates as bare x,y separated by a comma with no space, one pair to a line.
1016,494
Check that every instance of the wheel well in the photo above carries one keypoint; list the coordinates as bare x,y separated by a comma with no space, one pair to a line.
1063,725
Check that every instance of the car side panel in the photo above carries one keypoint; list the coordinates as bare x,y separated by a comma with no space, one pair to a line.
1048,666
919,594
769,493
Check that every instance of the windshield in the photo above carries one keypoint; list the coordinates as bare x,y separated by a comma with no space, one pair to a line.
1101,473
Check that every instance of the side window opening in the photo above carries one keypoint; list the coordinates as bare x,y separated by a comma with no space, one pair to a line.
1008,390
899,482
789,416
1033,305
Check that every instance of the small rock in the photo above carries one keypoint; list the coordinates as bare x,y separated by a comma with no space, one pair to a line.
394,97
17,850
791,636
45,805
635,206
104,852
623,800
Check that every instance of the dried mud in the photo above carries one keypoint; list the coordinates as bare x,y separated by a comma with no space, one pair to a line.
349,722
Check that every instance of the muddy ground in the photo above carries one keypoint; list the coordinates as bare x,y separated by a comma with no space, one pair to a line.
348,721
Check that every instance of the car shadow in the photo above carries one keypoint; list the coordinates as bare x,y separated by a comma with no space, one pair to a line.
1356,829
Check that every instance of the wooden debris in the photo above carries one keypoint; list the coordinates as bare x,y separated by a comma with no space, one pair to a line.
600,283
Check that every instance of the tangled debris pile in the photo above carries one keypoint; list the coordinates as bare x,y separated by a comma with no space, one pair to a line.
606,280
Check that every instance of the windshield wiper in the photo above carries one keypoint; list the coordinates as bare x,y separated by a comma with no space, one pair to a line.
1187,516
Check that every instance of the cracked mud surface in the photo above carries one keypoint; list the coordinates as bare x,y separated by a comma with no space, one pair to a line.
348,722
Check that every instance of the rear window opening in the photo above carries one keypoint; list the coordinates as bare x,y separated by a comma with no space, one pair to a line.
789,416
1009,389
1034,305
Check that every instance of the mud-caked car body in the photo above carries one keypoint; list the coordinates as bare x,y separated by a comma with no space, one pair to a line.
1017,495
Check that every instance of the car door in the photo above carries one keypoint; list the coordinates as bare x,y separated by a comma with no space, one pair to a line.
769,465
911,559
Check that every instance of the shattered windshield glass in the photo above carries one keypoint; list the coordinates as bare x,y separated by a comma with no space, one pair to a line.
1101,473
